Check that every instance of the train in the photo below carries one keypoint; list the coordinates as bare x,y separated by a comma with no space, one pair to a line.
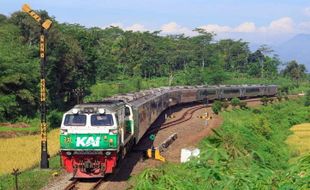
96,136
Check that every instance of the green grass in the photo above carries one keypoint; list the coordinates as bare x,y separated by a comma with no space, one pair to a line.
28,129
247,152
33,126
31,179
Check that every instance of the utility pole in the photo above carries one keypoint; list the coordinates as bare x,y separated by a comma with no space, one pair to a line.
45,26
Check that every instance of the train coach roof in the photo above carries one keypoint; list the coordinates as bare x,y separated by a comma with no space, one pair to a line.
140,97
112,106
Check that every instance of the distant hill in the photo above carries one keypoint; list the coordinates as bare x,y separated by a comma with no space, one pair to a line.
297,48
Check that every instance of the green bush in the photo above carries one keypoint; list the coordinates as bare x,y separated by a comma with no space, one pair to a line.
216,107
264,100
235,102
225,104
54,118
307,98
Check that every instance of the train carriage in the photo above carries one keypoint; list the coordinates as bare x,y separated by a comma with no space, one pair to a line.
252,91
229,92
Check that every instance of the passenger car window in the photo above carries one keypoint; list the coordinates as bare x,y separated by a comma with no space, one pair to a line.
75,120
101,120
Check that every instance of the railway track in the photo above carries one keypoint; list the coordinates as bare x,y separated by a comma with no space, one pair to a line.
186,116
78,184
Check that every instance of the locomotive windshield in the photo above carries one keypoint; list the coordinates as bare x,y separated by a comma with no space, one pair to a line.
101,120
75,120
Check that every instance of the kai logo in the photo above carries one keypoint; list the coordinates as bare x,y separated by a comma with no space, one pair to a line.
87,141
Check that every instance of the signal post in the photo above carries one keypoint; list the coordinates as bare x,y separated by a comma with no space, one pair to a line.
45,26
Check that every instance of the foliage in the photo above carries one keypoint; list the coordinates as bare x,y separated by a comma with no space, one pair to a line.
90,58
235,102
264,100
243,105
216,107
225,104
295,71
31,179
307,97
18,75
54,118
247,152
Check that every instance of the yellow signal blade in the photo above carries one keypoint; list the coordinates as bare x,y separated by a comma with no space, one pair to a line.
47,24
26,8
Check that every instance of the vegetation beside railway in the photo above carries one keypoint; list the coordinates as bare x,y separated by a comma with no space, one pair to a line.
95,63
31,179
247,152
23,152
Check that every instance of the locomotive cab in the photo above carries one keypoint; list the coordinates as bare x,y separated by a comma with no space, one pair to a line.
92,135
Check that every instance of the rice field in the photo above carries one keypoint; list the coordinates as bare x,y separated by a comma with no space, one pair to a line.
25,152
300,140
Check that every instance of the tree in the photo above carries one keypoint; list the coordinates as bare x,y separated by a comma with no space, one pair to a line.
235,54
18,75
3,18
295,71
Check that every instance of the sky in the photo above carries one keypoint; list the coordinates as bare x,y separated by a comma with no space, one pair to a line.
257,21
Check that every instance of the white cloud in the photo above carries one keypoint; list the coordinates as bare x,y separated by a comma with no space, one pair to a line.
307,11
136,27
174,28
246,27
216,28
275,29
282,25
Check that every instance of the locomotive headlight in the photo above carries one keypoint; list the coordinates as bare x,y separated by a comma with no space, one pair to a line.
69,153
101,110
114,131
75,111
107,153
